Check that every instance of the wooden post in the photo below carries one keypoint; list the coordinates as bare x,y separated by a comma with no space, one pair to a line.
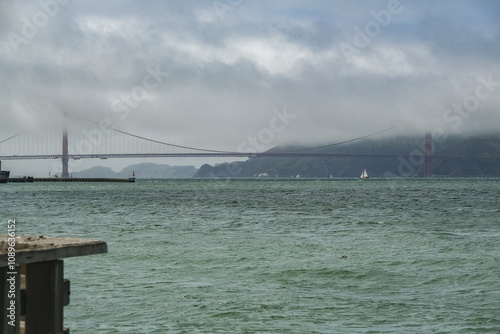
38,261
44,297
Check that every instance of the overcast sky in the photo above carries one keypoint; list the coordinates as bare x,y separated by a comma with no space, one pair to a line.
212,73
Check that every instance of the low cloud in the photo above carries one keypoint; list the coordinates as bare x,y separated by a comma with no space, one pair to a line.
226,74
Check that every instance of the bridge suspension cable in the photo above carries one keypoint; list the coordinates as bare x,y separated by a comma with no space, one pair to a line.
168,144
152,140
340,143
204,150
11,137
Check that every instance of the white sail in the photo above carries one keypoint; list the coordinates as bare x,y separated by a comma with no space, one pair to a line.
364,175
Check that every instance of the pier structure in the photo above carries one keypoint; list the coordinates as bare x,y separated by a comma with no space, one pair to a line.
34,290
30,179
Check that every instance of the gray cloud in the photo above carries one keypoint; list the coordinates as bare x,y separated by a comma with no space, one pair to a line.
226,73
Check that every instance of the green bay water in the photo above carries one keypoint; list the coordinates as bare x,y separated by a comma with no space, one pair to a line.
274,256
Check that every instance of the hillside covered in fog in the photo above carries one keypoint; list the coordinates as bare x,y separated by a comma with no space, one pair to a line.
409,160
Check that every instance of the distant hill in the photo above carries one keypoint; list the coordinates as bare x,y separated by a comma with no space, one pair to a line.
143,170
474,147
409,162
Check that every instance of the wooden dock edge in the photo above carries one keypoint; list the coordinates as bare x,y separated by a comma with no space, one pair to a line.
33,287
30,249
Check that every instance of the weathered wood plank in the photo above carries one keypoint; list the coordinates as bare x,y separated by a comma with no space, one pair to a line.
40,249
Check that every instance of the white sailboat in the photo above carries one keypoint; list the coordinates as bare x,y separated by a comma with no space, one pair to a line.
364,175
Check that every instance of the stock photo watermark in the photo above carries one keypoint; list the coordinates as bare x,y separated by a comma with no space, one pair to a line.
259,142
12,274
364,36
31,26
266,135
453,118
122,107
139,93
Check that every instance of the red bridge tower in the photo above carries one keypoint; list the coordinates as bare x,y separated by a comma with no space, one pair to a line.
428,154
65,157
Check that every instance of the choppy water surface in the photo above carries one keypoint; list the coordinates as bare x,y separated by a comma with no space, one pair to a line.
288,256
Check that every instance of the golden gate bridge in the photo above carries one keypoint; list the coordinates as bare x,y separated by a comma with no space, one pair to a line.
102,141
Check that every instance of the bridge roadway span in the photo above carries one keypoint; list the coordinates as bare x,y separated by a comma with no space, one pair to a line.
238,155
